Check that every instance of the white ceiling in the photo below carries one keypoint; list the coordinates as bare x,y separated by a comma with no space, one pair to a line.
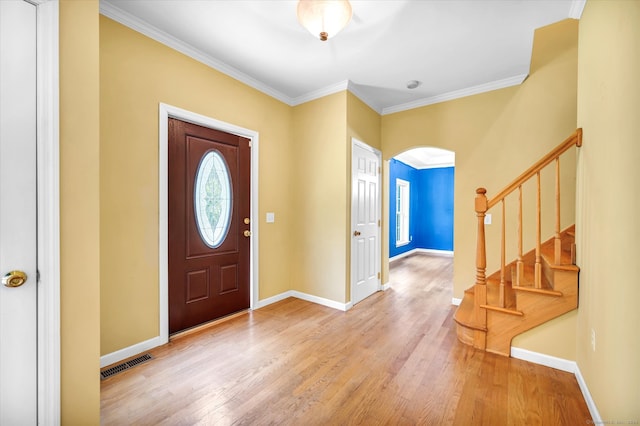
427,158
454,47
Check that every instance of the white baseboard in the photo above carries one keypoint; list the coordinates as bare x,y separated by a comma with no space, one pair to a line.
445,253
322,301
401,255
130,351
543,359
564,365
455,301
386,286
273,299
593,410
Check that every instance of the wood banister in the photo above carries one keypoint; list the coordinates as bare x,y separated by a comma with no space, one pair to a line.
574,139
482,204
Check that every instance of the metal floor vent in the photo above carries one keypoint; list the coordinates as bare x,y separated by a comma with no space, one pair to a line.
124,366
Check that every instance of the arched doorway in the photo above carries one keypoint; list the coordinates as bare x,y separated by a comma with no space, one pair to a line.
421,187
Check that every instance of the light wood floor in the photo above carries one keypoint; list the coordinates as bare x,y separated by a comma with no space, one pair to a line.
392,359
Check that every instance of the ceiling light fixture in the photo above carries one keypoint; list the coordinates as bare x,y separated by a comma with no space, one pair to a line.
324,18
412,84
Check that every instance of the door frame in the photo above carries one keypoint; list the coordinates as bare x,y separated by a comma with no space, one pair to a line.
352,273
48,215
168,111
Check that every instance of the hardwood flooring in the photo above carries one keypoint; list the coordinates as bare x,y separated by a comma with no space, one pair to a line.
392,359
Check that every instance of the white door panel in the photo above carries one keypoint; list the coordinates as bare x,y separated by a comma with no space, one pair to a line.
18,332
365,247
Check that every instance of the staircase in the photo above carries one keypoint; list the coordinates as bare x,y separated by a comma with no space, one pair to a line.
534,288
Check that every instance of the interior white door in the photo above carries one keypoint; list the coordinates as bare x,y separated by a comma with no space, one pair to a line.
365,214
18,303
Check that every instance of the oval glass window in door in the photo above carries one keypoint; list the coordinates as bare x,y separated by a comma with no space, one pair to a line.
213,199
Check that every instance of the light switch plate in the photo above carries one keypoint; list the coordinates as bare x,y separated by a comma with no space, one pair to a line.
487,219
271,217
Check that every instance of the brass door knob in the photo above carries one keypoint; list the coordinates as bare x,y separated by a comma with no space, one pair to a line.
14,279
247,233
357,233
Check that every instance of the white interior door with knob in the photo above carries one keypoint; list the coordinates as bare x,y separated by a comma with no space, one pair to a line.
18,303
365,218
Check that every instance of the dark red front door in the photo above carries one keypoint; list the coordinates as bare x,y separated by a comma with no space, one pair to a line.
209,211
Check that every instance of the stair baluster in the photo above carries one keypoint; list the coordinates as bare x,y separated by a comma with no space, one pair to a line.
520,261
502,257
538,267
557,243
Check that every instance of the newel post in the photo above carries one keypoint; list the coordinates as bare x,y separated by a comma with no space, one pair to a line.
480,289
481,255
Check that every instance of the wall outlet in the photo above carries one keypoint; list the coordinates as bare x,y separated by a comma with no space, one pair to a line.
593,339
487,219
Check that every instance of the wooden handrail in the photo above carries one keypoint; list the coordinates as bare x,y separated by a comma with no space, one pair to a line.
574,139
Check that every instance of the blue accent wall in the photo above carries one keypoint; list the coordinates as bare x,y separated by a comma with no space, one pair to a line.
434,209
431,209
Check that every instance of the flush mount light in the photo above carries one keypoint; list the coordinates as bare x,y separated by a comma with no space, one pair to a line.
412,84
324,18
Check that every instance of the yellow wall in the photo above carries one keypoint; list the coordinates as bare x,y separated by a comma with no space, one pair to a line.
363,123
319,198
136,74
496,136
608,230
79,213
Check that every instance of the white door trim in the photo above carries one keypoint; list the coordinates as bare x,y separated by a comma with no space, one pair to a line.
48,187
378,154
166,112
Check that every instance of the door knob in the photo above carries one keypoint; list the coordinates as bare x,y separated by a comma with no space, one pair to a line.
247,233
357,233
14,279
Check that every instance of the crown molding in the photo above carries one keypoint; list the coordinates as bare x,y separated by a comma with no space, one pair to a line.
474,90
320,93
355,90
113,12
110,11
577,7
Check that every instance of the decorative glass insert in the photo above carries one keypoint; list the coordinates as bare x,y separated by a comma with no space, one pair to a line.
213,199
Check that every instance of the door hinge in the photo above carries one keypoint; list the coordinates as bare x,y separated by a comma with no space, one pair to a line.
378,275
379,169
378,223
38,276
250,143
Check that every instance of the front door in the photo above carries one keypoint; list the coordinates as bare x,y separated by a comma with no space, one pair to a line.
209,224
365,213
18,328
